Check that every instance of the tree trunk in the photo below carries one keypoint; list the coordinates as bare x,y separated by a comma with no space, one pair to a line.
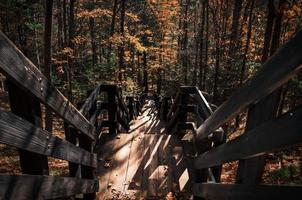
112,27
71,46
47,56
185,43
92,37
64,23
204,78
269,30
201,39
145,73
121,48
196,38
247,45
233,47
60,25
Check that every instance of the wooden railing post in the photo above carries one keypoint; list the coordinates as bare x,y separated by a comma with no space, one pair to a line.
130,107
183,117
27,107
112,110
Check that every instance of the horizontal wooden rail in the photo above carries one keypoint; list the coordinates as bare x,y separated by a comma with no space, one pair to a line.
246,192
28,77
268,137
19,133
283,65
89,102
28,187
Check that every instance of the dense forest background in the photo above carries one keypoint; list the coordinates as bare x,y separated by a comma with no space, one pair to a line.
153,45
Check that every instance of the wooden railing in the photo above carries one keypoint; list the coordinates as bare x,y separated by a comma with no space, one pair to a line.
134,106
264,131
118,114
22,128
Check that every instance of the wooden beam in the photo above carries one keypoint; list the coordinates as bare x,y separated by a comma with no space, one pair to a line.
203,103
283,65
246,192
89,102
43,187
270,136
28,77
27,107
19,133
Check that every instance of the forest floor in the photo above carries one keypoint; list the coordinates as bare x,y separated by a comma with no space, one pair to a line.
284,167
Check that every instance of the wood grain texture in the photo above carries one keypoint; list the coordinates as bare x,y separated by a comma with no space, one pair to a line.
247,192
19,133
268,137
30,187
28,77
283,65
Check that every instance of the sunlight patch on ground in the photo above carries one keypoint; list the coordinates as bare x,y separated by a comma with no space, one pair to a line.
183,180
154,151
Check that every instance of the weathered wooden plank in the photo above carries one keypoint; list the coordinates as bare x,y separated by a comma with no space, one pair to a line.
89,102
118,162
106,153
247,192
283,65
137,153
43,187
19,133
24,73
203,103
270,136
150,176
27,107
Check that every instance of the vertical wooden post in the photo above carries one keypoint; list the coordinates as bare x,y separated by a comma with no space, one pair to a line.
112,110
183,117
86,171
130,107
28,107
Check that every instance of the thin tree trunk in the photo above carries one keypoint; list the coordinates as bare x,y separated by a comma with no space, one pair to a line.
145,73
60,24
201,39
196,38
206,47
185,43
71,46
92,37
247,45
139,76
121,48
233,46
64,23
112,27
47,56
269,30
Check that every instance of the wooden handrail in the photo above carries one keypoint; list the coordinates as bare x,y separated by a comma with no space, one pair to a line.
27,76
283,65
258,141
